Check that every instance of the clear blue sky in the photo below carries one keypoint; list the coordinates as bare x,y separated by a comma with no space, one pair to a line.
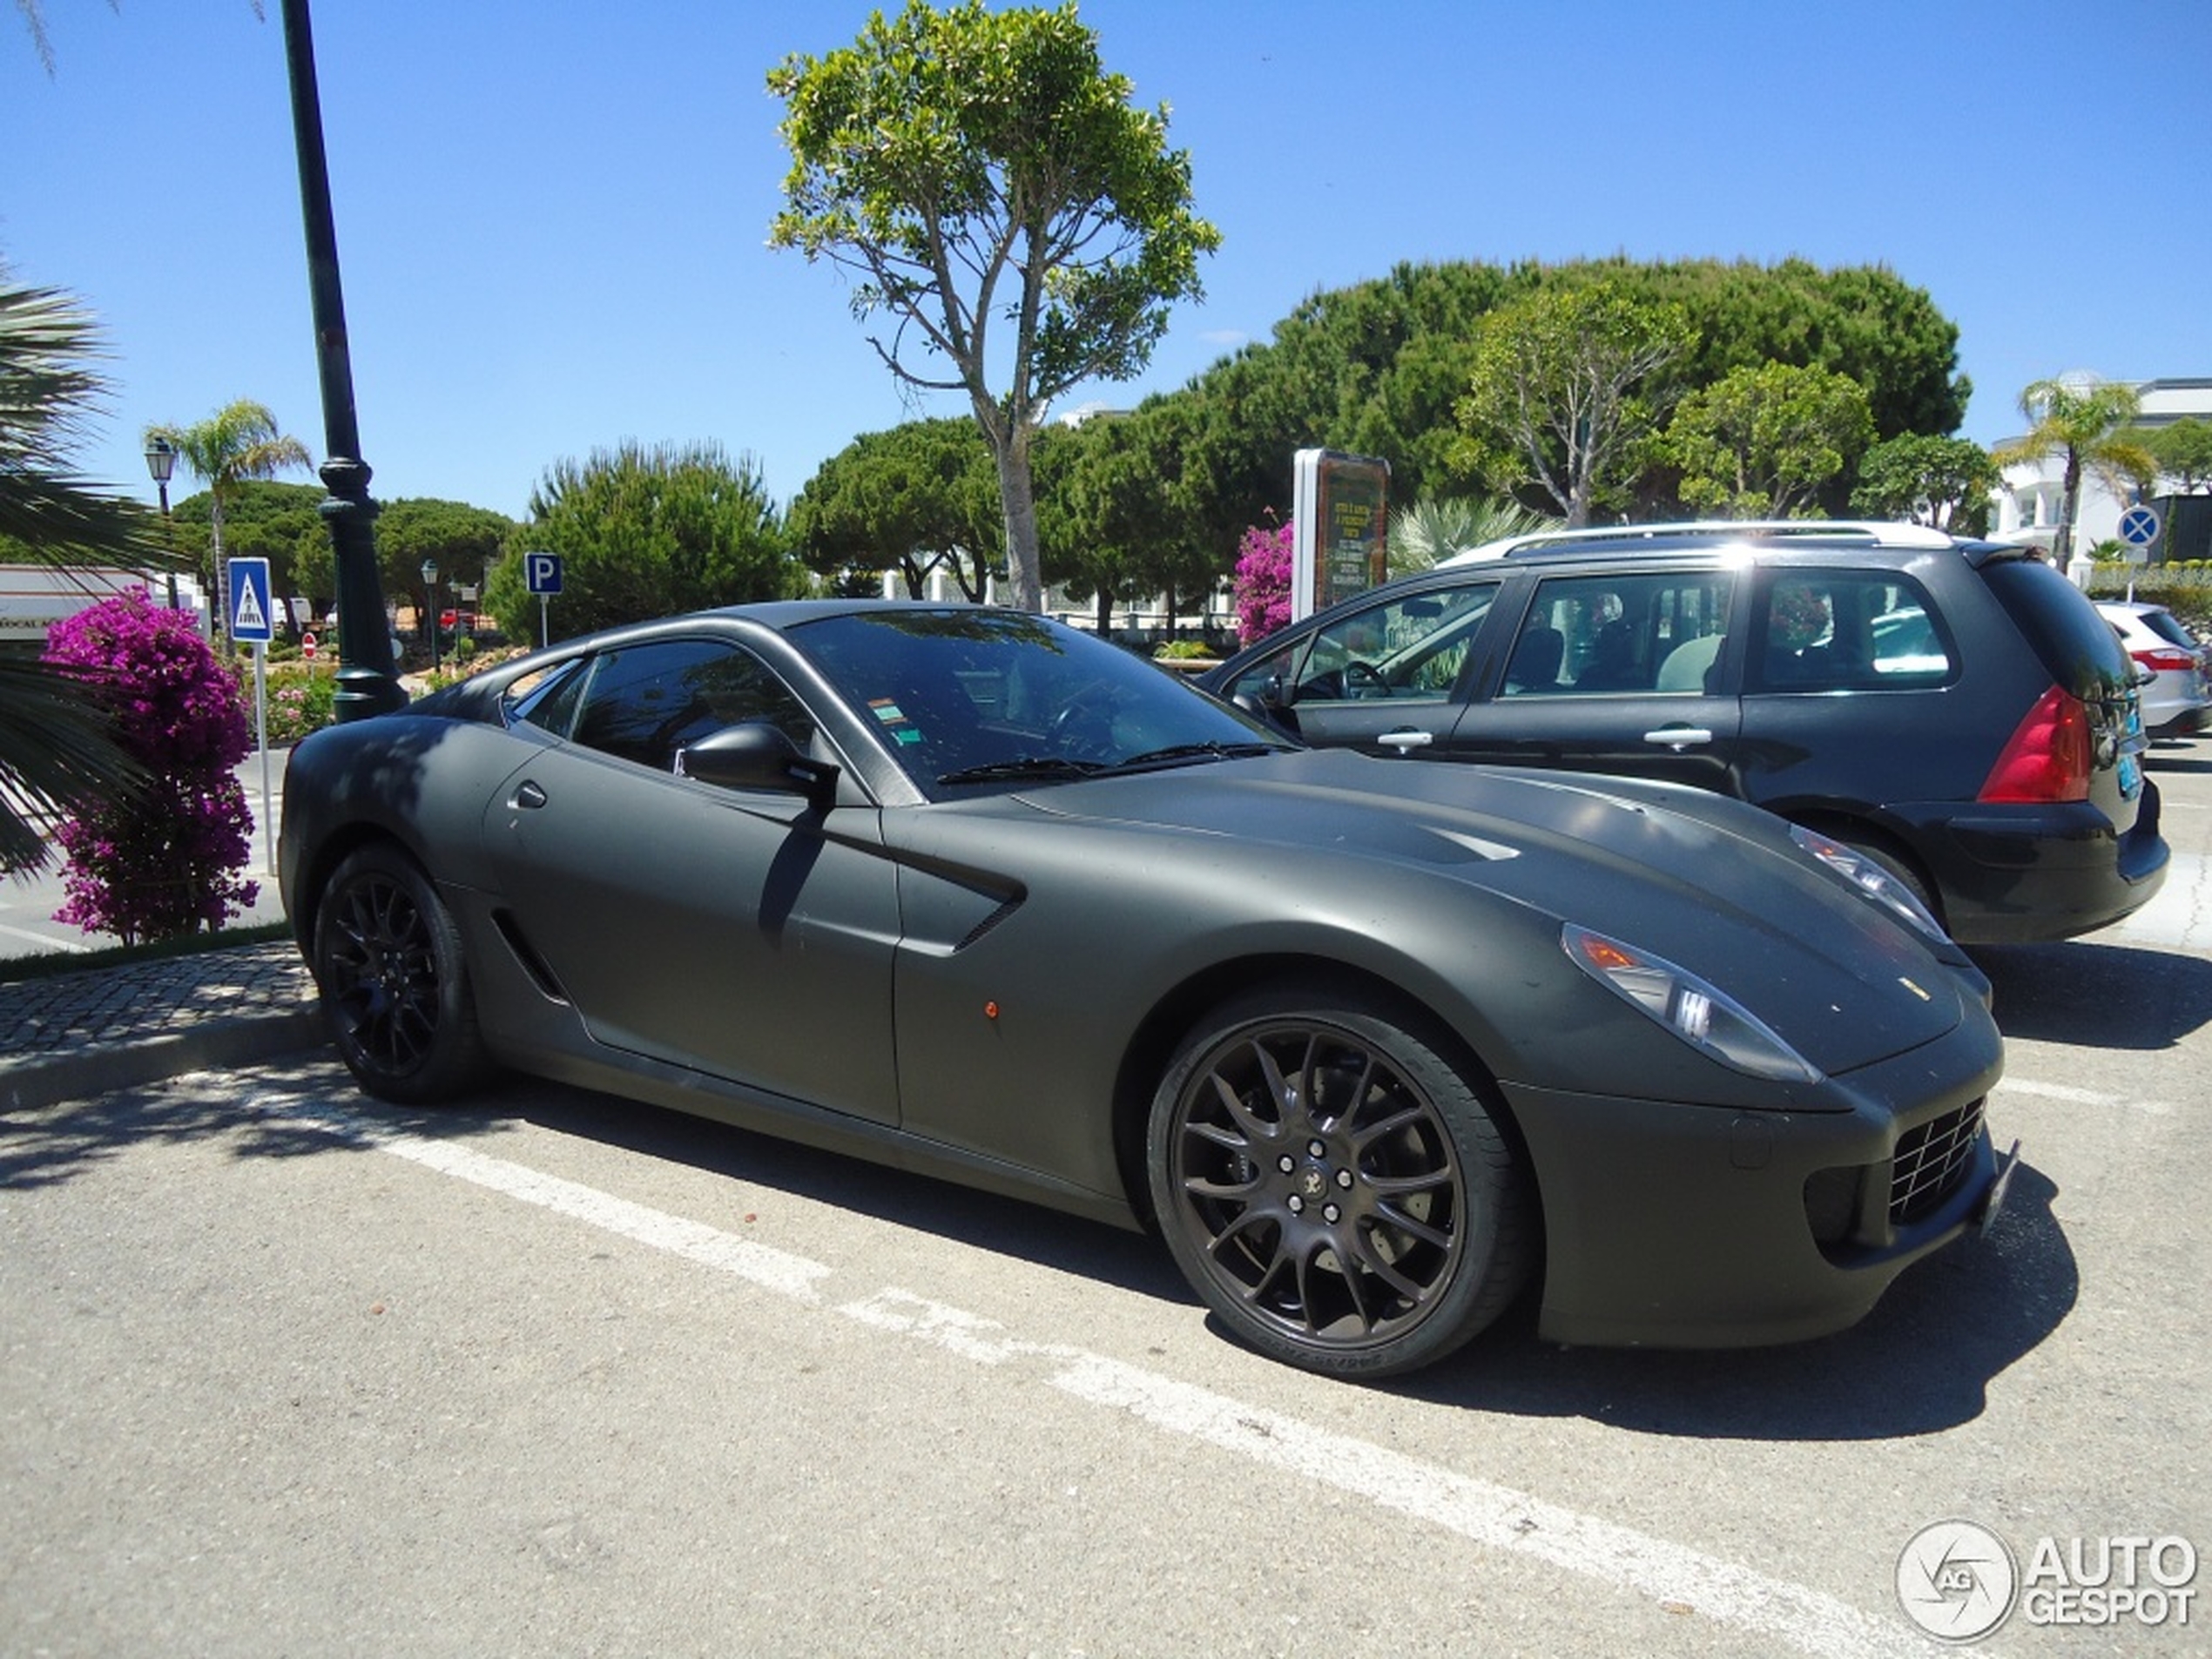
552,218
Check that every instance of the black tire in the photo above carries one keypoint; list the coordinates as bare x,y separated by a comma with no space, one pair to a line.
1335,1191
388,961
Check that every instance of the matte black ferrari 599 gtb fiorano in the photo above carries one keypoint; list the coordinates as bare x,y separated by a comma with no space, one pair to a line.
1374,1045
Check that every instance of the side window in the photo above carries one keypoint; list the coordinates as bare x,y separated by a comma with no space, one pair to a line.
1848,631
549,698
1410,647
1623,631
644,703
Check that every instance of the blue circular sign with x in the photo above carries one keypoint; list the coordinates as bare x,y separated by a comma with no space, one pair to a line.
2139,526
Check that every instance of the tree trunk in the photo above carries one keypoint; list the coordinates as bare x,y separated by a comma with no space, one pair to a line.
1025,588
2069,503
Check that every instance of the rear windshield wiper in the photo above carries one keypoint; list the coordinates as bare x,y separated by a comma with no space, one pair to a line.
1024,767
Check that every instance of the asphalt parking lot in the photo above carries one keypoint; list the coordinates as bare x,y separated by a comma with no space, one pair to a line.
282,1371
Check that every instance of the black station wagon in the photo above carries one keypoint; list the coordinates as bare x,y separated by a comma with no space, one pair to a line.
1956,710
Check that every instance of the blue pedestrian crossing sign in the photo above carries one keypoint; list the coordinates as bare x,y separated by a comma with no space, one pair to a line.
2139,526
252,620
543,572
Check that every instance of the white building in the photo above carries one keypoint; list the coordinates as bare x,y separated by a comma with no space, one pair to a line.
2027,502
34,597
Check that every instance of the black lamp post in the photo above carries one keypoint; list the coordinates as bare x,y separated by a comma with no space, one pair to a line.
161,462
430,607
366,684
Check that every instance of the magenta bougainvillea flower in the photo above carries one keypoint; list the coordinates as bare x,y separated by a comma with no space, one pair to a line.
165,861
1262,582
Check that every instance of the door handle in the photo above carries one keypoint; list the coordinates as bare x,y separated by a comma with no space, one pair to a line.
1406,738
1678,738
528,794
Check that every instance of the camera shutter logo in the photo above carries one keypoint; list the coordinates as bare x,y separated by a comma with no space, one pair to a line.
1957,1580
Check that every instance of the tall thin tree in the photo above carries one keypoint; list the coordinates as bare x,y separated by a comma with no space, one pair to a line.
975,168
2084,423
239,442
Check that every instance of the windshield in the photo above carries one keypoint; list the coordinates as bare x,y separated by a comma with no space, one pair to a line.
970,699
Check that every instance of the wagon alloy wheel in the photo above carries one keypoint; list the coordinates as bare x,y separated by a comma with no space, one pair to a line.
1335,1190
387,959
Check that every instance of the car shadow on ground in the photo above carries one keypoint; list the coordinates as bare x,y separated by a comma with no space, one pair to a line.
1920,1363
2172,755
2097,996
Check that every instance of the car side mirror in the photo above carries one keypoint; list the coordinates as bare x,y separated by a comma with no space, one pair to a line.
1282,716
755,755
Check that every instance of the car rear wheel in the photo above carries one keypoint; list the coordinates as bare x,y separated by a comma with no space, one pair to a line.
388,958
1335,1190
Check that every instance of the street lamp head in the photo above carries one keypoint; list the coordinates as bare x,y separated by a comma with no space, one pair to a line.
161,459
430,572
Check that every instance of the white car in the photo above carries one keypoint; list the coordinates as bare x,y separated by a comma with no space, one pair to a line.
2179,690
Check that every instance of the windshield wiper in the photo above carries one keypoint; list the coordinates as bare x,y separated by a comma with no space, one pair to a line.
1197,752
1026,766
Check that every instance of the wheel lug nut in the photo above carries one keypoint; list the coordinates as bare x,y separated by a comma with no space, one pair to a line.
1286,1163
1298,1204
1330,1214
1317,1148
1344,1179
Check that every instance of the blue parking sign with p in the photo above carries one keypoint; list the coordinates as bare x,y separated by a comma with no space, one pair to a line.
252,621
543,572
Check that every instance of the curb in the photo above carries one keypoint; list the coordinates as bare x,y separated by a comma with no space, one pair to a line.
243,1041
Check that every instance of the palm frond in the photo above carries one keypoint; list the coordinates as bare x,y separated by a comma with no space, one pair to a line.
58,756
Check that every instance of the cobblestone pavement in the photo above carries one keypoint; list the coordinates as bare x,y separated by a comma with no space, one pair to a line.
75,1035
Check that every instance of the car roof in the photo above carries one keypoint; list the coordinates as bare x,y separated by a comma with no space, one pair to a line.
1630,539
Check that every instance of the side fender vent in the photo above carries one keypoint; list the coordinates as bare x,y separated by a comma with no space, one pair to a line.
533,964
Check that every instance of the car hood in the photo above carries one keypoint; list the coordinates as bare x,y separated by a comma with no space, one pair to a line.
1711,884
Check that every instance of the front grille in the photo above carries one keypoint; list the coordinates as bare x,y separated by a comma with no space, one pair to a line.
1931,1162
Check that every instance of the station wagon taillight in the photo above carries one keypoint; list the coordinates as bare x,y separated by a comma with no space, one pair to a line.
2165,659
2047,757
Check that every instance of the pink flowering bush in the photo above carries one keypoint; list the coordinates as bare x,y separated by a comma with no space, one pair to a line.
302,698
1262,582
165,861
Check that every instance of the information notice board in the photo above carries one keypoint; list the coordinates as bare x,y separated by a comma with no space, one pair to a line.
1341,512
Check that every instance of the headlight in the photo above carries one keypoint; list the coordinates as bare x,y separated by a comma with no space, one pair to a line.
1870,878
1701,1015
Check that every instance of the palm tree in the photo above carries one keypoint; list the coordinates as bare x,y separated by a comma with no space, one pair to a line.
2085,421
239,442
1432,530
56,750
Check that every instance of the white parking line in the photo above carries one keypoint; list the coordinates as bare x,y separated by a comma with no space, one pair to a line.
772,1270
2077,1096
1680,1580
47,939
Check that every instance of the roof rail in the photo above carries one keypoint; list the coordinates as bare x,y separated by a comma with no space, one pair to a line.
1715,529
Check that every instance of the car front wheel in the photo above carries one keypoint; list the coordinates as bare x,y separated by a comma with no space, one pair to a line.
1335,1188
387,959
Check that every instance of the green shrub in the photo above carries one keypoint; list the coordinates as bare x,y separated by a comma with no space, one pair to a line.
301,699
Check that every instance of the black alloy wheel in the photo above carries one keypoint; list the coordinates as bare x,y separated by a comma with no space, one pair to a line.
1334,1189
388,958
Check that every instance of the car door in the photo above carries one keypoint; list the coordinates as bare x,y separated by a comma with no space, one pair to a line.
1382,676
1626,669
734,932
1851,679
